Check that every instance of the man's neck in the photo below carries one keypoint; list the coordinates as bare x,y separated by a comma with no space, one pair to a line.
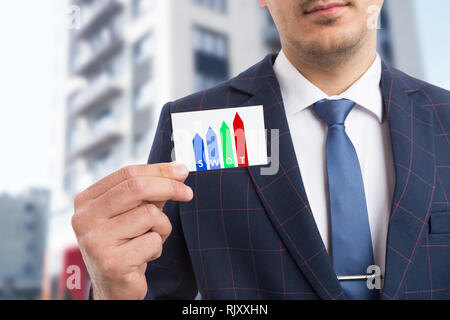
333,79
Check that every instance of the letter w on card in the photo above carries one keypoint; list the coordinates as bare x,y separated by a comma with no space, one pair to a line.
220,139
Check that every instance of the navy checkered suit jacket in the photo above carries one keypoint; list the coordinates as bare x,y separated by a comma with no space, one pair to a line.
252,236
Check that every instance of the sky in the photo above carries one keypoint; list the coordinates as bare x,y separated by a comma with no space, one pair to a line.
29,76
27,94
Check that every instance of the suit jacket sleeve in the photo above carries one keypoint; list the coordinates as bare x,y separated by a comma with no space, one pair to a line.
171,276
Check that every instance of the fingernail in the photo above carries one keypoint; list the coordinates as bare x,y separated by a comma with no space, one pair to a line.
189,192
180,170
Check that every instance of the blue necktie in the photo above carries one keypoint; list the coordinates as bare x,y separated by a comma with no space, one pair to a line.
351,243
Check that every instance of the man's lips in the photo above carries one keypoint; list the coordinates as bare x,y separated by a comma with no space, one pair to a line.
327,9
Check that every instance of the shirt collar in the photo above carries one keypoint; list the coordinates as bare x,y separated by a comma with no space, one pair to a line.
299,93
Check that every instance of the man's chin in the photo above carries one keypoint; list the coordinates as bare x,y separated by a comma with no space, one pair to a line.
332,46
332,36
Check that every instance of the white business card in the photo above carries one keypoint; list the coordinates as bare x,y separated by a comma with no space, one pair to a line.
220,138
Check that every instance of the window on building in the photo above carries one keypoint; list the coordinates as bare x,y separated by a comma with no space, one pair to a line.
30,208
72,101
71,135
108,72
211,58
103,114
271,36
143,49
143,84
99,40
31,247
30,227
384,45
219,5
204,81
102,121
210,42
142,144
142,6
101,165
28,269
143,95
68,181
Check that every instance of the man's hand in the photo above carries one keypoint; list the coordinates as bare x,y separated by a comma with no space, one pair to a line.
120,226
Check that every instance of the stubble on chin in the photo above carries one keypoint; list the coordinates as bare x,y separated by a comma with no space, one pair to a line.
327,53
333,52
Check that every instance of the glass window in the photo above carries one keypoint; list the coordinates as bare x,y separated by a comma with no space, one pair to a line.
220,47
141,6
211,58
102,121
144,95
29,207
143,49
31,247
69,181
384,41
210,42
204,81
28,269
219,5
102,164
103,114
30,227
102,37
142,144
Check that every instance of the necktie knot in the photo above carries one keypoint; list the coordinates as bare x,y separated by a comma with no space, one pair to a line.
333,112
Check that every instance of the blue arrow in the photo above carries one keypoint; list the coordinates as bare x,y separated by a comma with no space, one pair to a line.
213,150
199,153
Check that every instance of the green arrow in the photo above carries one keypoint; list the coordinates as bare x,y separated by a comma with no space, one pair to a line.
228,156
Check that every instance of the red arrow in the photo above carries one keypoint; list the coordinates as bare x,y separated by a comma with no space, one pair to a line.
241,145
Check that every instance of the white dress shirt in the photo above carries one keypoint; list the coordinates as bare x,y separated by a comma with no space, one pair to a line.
366,128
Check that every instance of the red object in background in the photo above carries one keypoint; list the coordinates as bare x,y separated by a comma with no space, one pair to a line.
74,278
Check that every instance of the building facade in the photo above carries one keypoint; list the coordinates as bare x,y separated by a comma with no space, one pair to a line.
398,40
22,236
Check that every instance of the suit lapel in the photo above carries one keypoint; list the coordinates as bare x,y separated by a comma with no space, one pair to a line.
412,141
283,194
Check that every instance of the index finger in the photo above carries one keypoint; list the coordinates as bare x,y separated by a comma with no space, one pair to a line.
169,170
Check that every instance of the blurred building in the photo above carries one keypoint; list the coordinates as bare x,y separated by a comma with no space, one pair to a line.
22,243
124,62
398,41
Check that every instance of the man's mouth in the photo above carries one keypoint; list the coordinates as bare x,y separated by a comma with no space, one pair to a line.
327,9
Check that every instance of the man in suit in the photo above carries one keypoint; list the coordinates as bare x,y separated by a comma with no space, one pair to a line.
363,180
